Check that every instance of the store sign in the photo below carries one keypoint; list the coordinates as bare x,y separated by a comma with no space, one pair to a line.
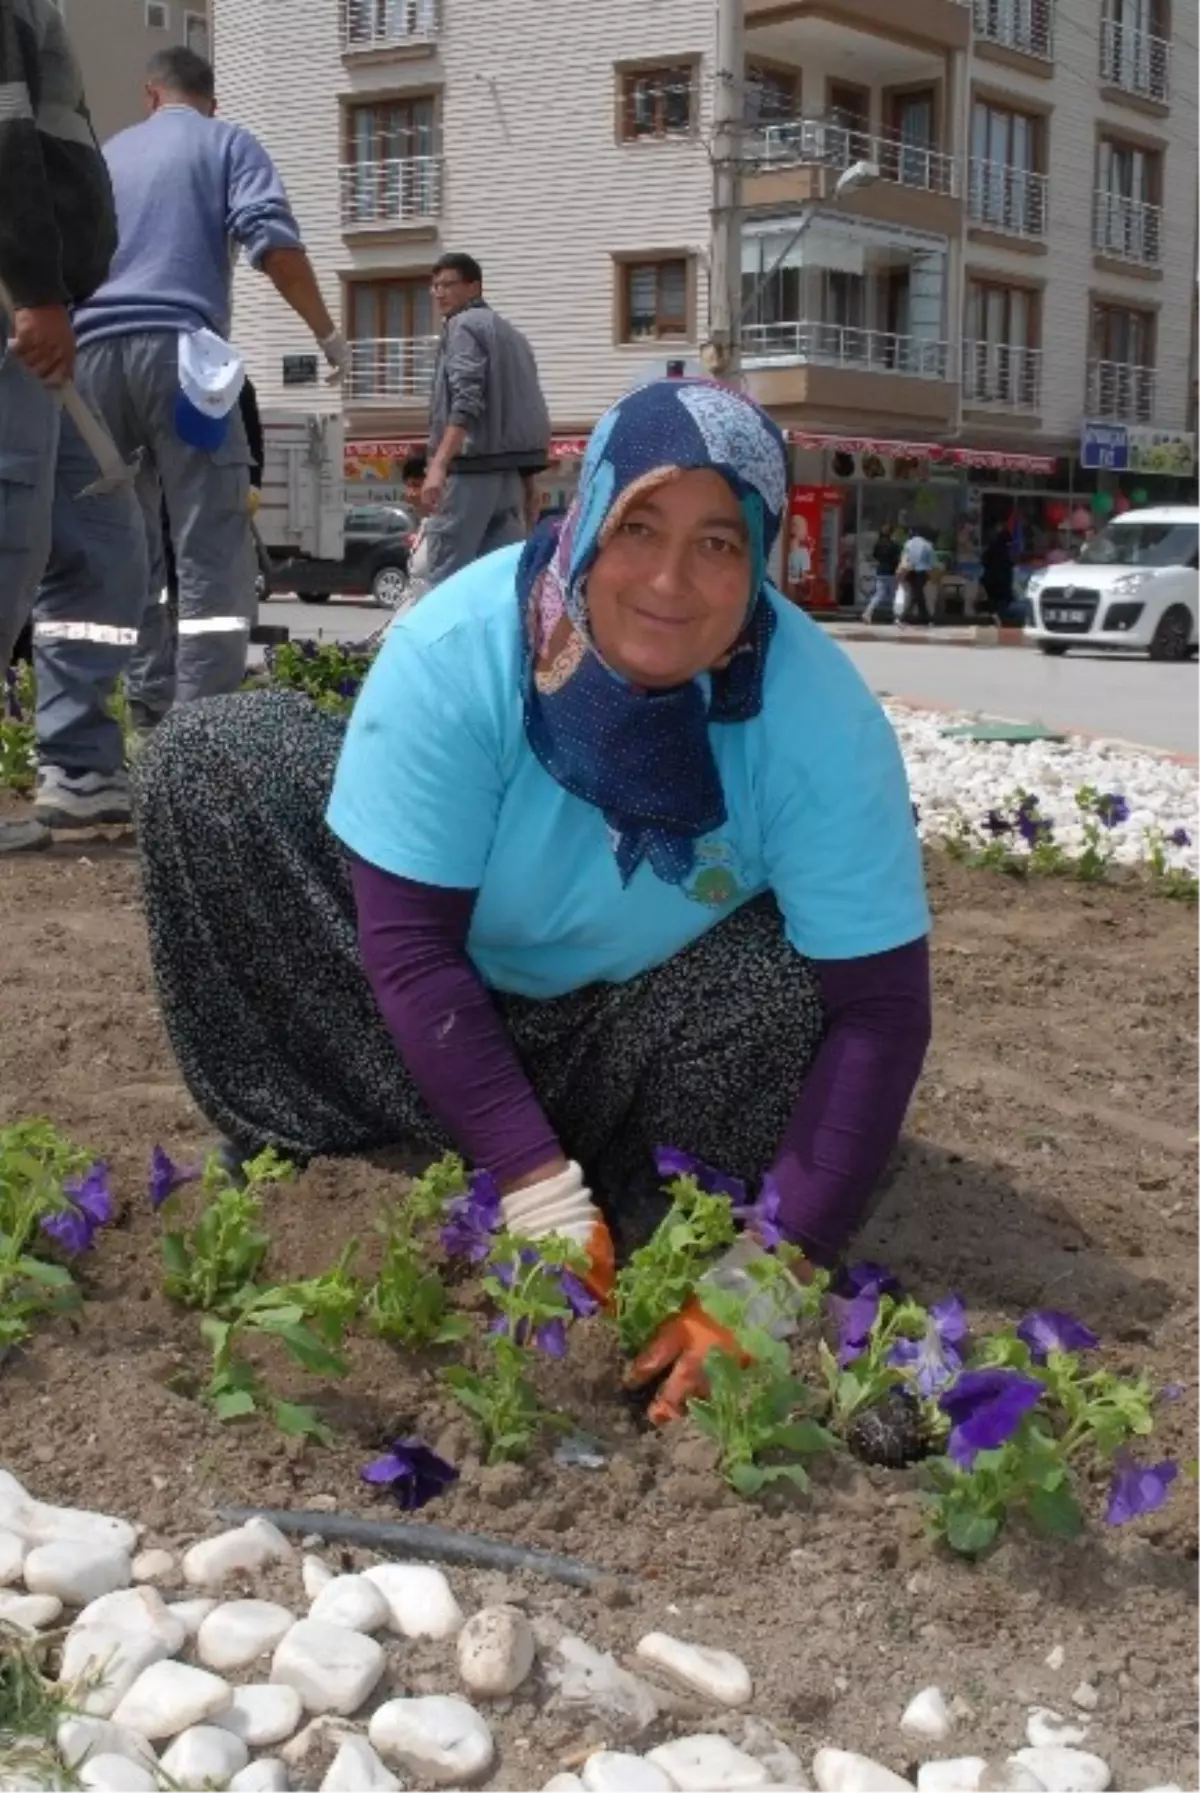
1134,448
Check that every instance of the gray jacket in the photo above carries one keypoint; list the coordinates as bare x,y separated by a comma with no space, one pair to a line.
486,381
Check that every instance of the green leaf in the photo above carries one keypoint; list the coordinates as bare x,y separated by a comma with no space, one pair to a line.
805,1437
309,1351
215,1332
301,1422
175,1255
453,1328
1055,1510
51,1276
236,1404
969,1532
787,1472
747,1479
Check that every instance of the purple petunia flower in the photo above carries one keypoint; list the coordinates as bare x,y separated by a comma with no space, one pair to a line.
1048,1329
1179,837
89,1207
1138,1489
71,1229
762,1217
414,1473
985,1407
578,1297
166,1177
349,687
471,1219
1112,809
671,1162
854,1317
997,824
550,1336
12,695
1033,828
866,1275
934,1360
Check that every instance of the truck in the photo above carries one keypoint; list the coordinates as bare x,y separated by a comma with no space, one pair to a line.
301,518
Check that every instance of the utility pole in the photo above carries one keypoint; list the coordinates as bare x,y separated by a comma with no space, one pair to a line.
723,351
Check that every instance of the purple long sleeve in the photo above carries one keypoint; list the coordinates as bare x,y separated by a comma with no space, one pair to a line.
845,1123
849,1113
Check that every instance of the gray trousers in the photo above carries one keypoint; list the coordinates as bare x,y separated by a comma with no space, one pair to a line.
134,381
479,512
90,556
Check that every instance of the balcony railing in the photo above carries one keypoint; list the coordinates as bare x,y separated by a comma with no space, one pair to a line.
392,370
386,24
807,141
1012,200
844,345
1134,60
1118,392
1026,25
1129,229
1001,376
379,194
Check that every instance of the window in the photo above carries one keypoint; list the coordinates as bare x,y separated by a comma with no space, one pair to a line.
1128,191
912,127
772,94
657,102
1001,360
1026,25
850,106
1121,333
654,299
158,16
366,23
392,131
394,173
393,338
1134,47
195,33
1007,189
1121,349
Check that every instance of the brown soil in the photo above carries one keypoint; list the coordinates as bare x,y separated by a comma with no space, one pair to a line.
1050,1158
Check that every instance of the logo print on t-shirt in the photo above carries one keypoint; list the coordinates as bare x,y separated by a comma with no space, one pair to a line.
715,881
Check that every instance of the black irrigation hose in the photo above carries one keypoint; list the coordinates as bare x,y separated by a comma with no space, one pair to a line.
426,1541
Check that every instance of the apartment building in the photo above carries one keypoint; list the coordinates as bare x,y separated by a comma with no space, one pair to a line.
114,40
1002,316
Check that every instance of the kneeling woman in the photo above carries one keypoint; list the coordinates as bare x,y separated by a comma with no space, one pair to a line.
619,853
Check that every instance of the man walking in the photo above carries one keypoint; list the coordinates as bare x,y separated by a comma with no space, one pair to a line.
57,237
190,189
916,564
489,428
887,559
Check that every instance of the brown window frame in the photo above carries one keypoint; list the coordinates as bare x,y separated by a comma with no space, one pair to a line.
667,329
856,119
987,284
1155,159
379,285
353,109
787,81
672,76
1102,309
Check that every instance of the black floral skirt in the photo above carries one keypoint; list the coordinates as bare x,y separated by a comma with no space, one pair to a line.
278,1037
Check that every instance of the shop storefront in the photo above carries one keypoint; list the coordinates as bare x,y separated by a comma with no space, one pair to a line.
373,470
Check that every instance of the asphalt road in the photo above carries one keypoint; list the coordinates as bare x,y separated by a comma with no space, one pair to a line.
1123,697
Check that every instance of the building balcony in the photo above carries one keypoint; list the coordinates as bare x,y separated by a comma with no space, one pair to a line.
794,161
1135,62
1127,229
392,195
1023,27
394,371
996,376
942,24
374,25
850,376
1118,392
1011,201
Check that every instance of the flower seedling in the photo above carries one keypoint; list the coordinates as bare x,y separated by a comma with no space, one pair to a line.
409,1303
756,1411
413,1473
1103,811
329,672
216,1258
1169,880
18,759
535,1290
50,1192
660,1276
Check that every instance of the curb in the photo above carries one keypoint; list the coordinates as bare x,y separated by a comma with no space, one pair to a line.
1066,728
982,635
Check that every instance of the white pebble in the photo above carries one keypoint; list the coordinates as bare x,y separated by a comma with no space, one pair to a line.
927,1715
135,1609
1066,1770
117,1774
250,1546
332,1669
80,1737
1085,1697
716,1674
1056,1657
592,1681
563,1783
708,1764
192,1613
611,1771
314,1737
114,1639
76,1571
267,1775
438,1737
30,1612
954,1774
843,1771
202,1754
12,1554
352,1601
420,1599
495,1651
357,1769
169,1697
1010,1776
153,1565
238,1632
315,1574
263,1713
39,1523
1049,1730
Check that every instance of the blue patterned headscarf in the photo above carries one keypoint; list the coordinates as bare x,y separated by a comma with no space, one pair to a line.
641,757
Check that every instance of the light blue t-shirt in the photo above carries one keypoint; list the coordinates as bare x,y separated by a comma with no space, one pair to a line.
438,783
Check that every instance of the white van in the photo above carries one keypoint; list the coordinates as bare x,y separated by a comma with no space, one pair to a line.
1133,587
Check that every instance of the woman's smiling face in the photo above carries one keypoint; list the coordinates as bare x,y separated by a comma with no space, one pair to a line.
669,591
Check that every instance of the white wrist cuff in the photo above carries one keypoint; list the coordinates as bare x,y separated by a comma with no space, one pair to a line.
561,1204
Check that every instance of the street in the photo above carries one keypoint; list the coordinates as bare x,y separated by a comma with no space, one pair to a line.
1128,699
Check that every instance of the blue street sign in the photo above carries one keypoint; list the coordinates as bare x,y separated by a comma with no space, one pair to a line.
1104,445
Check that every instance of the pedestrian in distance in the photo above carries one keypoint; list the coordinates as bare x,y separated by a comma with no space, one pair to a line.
489,428
887,558
916,563
58,233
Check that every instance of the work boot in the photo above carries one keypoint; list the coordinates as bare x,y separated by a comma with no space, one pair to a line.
82,799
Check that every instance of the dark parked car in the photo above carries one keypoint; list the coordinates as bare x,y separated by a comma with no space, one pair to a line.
374,563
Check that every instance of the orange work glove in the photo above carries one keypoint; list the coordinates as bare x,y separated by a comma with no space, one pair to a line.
680,1347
